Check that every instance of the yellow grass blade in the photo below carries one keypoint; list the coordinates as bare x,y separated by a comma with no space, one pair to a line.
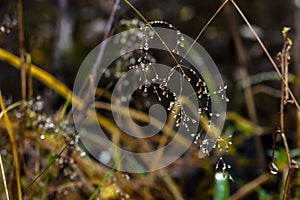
38,73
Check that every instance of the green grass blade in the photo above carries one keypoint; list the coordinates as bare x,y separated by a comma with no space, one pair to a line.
221,186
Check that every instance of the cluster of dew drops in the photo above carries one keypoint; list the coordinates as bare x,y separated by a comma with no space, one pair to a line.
139,38
46,125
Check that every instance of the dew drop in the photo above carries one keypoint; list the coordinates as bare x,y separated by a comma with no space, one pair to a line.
146,46
4,152
123,99
42,136
126,176
82,154
105,157
273,168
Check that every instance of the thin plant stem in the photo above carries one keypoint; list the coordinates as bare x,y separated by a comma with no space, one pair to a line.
284,70
3,177
21,49
283,58
285,91
204,28
162,142
296,53
96,65
29,77
266,52
296,58
11,107
248,94
178,65
155,32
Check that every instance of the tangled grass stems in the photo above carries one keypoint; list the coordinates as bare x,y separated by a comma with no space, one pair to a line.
49,164
13,146
66,93
61,89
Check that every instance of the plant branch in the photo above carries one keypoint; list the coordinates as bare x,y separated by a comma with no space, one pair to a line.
204,28
21,49
283,58
242,59
96,65
266,52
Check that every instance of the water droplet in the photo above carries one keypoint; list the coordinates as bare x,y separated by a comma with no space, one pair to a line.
105,157
82,154
126,176
220,176
146,46
273,168
123,99
4,152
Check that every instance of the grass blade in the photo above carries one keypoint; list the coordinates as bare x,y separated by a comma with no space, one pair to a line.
13,146
4,179
221,187
105,179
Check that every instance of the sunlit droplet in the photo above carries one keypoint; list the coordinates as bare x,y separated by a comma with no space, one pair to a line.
273,168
